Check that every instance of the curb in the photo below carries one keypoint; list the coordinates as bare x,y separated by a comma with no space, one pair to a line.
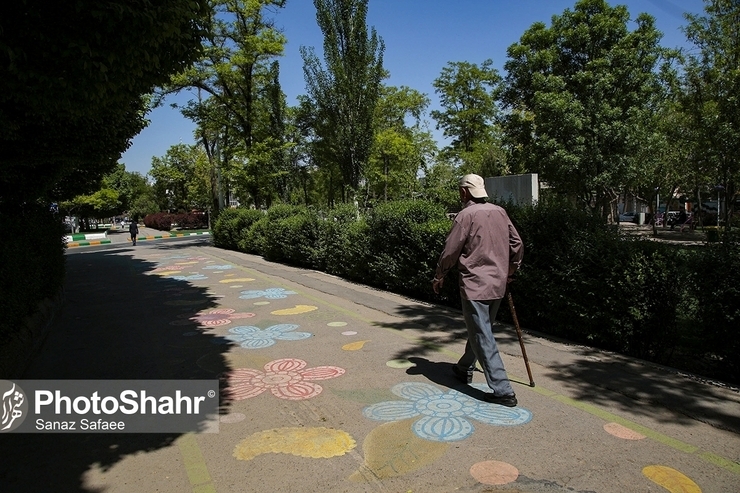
86,236
169,235
87,243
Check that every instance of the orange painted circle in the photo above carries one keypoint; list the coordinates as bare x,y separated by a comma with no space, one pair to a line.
494,472
622,432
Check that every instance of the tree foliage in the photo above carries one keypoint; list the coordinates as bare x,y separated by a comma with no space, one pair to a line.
181,179
711,99
402,146
72,82
470,114
578,94
240,78
344,92
129,185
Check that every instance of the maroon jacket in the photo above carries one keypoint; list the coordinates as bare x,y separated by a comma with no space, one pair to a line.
482,242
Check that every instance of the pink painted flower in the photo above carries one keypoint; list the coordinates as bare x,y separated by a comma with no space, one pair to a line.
286,378
213,318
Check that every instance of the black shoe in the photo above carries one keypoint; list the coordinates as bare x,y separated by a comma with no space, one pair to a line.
462,375
504,400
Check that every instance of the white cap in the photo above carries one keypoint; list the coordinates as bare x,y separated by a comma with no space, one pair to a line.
475,185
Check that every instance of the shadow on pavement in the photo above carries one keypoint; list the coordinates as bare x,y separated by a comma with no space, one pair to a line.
119,321
640,387
445,327
590,375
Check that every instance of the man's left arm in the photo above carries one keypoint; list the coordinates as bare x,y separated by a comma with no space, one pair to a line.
516,251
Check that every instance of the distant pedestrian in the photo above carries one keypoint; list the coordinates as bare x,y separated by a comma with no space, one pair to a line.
681,220
487,250
133,229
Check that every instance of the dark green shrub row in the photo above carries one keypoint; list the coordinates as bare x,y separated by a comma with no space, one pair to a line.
715,284
232,226
394,246
580,280
32,267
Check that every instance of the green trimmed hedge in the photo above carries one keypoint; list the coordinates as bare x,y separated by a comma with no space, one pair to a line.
581,279
232,227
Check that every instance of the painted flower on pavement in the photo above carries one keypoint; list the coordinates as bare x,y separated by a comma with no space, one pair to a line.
269,293
194,277
255,338
212,318
443,416
286,378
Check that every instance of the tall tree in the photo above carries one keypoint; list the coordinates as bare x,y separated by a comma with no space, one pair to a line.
712,86
344,93
317,162
578,94
467,94
180,178
268,170
402,145
234,71
129,185
215,133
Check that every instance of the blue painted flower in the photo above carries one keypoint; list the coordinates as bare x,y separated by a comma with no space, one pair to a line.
194,277
269,293
252,337
443,415
219,267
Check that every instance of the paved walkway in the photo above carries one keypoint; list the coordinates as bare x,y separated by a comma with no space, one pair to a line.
363,401
116,235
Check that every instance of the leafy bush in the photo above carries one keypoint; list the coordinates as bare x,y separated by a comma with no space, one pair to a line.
232,227
254,241
293,237
716,285
405,238
344,243
32,267
190,220
163,221
256,238
581,279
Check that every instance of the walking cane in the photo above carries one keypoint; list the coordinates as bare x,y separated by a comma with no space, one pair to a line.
519,334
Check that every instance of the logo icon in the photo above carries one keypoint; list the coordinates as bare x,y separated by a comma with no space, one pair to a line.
13,406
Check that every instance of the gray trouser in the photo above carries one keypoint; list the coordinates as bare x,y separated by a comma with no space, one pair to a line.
481,346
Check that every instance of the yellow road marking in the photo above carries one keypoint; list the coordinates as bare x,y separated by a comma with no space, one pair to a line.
195,464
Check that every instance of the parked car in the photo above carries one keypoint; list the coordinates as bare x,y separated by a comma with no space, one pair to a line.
628,217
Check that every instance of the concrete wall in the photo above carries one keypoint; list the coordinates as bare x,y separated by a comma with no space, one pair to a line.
520,189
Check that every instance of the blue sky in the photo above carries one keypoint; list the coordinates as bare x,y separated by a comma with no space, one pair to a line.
421,37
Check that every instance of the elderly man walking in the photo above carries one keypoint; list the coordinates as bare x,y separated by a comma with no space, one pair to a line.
487,250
